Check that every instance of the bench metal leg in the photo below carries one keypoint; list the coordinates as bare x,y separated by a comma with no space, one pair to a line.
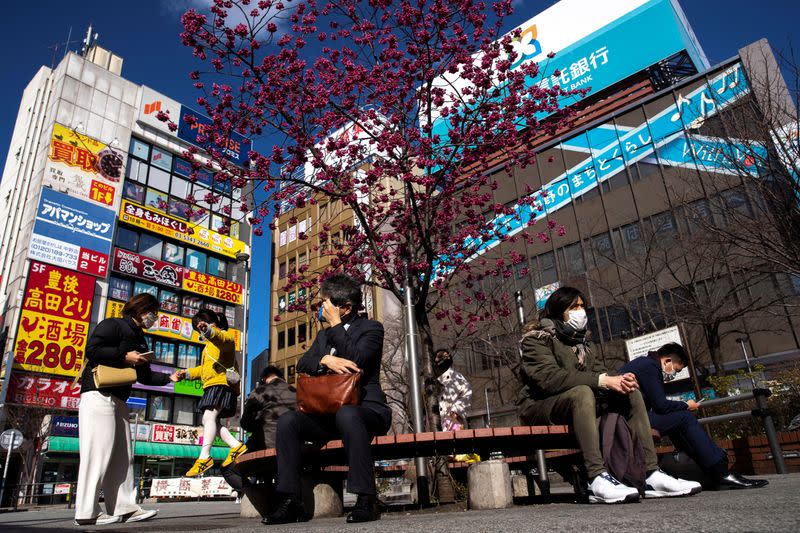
543,480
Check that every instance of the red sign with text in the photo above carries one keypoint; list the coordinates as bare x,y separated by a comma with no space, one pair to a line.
44,391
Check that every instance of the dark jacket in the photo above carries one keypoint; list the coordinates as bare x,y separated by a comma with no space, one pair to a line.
651,382
107,345
550,367
266,403
362,343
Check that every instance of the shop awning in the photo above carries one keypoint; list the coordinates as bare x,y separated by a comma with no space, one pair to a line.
150,449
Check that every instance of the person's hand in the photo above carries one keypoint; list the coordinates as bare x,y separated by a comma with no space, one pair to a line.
135,358
693,405
340,365
177,376
332,314
624,384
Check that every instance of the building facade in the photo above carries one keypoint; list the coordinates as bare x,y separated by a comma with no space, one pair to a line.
94,191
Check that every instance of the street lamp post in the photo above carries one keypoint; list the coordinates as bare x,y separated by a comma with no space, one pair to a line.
486,390
244,258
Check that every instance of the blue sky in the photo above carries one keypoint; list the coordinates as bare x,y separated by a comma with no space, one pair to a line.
145,33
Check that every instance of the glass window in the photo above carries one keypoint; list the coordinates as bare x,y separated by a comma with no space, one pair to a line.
281,340
217,267
184,410
170,301
291,338
119,289
179,188
281,270
603,251
230,314
191,305
136,171
138,394
139,149
199,194
158,178
158,408
204,176
173,253
188,355
150,245
573,255
182,167
140,288
127,239
156,199
196,260
217,308
301,333
218,222
133,191
291,374
547,266
178,208
164,351
161,159
282,303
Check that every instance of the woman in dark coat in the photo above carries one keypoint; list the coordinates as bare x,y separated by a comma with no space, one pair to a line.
104,431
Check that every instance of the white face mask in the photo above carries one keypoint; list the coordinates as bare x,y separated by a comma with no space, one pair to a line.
148,320
577,319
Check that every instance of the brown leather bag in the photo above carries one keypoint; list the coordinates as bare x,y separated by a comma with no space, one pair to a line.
326,394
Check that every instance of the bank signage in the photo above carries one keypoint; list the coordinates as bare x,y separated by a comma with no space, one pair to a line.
64,426
72,233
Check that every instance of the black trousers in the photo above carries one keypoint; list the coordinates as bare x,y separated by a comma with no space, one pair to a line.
688,436
356,425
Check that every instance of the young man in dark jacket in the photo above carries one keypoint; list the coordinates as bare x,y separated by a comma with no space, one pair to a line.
267,402
674,419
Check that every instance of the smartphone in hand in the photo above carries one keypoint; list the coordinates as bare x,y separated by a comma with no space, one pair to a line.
149,355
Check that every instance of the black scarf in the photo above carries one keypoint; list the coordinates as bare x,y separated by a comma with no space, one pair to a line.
570,336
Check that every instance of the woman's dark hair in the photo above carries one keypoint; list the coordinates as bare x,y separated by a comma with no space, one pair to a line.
210,317
342,290
560,301
675,350
139,305
272,370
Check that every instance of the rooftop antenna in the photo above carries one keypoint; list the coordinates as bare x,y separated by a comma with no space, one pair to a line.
89,40
56,46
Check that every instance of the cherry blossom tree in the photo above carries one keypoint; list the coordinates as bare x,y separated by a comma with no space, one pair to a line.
409,113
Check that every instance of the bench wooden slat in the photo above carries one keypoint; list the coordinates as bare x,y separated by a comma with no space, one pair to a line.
521,430
444,435
484,432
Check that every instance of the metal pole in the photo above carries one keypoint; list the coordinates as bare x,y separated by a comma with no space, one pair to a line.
243,395
543,480
769,428
741,341
416,393
5,470
488,414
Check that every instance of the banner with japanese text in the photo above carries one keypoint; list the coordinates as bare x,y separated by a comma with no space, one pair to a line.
169,325
43,391
147,268
83,167
181,487
159,222
72,233
54,323
208,285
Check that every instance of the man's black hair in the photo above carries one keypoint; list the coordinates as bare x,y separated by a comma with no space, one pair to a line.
342,290
272,370
675,350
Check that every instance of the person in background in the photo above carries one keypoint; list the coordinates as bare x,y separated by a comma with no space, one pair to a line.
351,343
104,433
219,397
562,380
455,392
675,420
267,402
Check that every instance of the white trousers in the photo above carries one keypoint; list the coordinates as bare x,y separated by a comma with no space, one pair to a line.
105,452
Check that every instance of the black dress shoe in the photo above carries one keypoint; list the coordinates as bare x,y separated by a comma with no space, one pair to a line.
367,509
735,481
289,510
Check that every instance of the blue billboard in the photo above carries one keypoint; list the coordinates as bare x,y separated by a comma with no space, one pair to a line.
236,147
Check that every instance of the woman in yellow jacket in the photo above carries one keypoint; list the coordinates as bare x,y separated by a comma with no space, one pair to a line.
219,398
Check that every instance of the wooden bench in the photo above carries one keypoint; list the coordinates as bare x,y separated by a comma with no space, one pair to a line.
328,463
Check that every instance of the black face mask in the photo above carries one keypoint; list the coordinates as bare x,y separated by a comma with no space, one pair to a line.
443,364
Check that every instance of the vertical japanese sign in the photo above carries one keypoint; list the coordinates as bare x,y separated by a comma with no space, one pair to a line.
83,167
54,323
72,233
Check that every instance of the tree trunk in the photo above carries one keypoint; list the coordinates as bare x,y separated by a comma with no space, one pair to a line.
713,341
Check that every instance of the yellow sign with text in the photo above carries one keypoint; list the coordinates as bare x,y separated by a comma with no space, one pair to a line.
169,325
152,219
50,344
212,286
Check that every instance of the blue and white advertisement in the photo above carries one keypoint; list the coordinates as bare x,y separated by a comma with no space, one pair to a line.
72,233
597,44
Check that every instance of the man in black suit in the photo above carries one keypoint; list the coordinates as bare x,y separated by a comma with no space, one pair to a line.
350,343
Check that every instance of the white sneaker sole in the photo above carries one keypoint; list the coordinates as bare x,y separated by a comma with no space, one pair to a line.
94,522
663,494
147,515
628,498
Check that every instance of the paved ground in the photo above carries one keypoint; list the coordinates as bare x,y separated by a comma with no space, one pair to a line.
774,508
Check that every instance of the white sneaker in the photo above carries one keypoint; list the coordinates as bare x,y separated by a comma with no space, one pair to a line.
606,489
661,485
140,515
100,520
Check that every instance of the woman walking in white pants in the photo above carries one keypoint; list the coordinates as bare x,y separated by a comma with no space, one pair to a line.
104,432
